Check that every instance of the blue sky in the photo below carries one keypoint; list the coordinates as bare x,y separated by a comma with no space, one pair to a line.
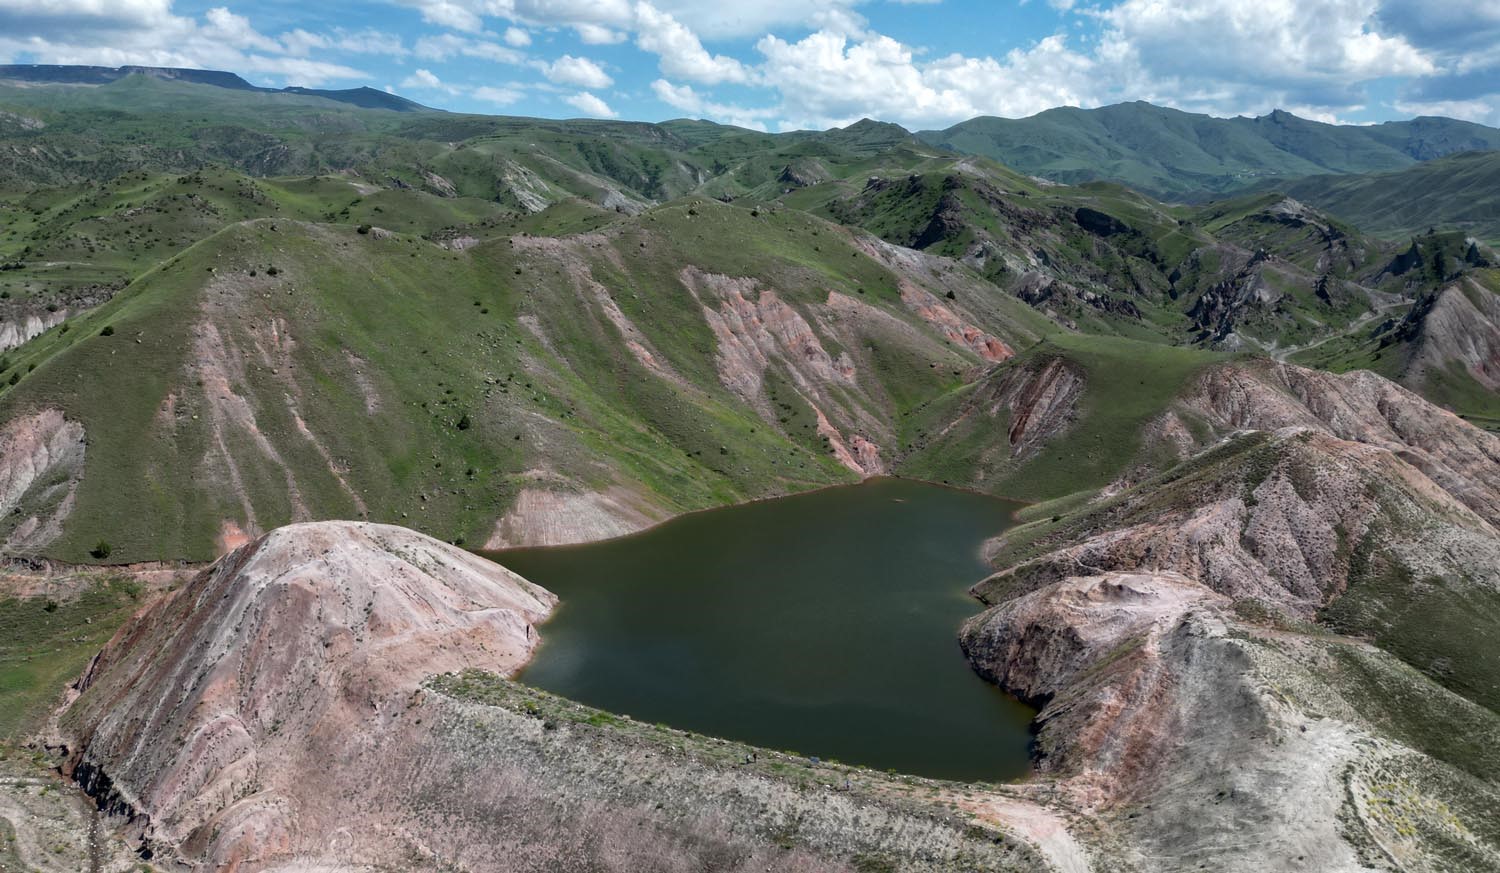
782,64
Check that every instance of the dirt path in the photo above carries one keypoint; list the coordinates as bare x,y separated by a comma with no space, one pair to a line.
1043,828
56,827
1284,354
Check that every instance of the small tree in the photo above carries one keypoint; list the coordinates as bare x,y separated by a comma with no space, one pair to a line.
465,423
101,550
109,330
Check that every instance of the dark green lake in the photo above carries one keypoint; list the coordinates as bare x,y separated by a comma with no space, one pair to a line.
825,623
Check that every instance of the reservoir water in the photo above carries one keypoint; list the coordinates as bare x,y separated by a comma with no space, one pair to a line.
824,623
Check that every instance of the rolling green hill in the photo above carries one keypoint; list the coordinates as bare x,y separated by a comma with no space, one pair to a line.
1459,192
610,322
1180,155
646,358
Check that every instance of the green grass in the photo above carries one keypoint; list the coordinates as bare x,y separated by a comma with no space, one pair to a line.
46,642
1173,154
1436,624
509,338
1407,706
1458,192
1127,383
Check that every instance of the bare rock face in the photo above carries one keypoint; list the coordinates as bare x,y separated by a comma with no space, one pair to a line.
1463,327
1181,635
1195,740
41,462
1042,403
1160,720
1036,646
223,717
1359,407
1280,518
18,327
1039,400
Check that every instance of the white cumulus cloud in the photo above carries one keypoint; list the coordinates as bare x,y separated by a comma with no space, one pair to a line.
681,52
686,99
581,72
590,105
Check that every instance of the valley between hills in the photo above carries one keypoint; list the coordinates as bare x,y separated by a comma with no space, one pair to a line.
274,365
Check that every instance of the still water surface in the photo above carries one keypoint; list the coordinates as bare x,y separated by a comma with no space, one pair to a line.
824,623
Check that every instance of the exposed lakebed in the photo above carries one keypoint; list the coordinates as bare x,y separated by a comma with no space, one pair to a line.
824,623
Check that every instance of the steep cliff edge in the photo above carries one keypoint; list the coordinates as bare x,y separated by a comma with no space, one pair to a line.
1199,741
1283,638
229,716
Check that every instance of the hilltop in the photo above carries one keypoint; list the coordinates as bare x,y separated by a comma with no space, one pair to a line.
1177,155
58,74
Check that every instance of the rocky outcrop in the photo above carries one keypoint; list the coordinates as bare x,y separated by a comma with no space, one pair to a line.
1358,407
531,191
18,327
41,464
1179,634
1033,646
1280,518
754,326
1461,328
438,185
755,330
230,719
1164,718
542,517
802,173
1035,401
1042,401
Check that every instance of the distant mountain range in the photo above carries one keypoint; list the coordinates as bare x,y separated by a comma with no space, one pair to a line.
368,98
1177,155
1391,179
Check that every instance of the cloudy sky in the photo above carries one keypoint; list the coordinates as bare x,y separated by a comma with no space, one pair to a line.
782,64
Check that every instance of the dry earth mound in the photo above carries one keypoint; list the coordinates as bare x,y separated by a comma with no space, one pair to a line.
233,717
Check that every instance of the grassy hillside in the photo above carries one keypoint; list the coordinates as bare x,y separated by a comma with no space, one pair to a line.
603,321
69,248
1173,154
220,386
1459,192
46,641
1258,271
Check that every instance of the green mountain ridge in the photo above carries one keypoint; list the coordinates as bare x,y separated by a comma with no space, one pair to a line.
1458,192
366,97
1178,155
